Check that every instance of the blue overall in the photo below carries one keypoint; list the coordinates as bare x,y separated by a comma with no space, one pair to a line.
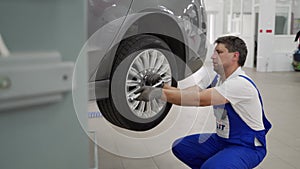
210,151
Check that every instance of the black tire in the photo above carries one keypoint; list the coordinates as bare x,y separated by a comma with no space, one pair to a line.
119,109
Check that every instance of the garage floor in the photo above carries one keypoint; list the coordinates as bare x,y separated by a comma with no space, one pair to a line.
121,149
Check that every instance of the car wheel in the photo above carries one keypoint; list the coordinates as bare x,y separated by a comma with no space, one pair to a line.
136,58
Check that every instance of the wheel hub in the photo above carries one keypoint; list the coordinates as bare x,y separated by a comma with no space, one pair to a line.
146,81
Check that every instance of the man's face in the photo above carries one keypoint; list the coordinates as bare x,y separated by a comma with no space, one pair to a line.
221,58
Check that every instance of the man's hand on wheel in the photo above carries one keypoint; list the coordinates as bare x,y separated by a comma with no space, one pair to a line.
154,79
148,93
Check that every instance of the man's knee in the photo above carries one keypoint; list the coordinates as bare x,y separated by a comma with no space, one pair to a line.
185,154
176,148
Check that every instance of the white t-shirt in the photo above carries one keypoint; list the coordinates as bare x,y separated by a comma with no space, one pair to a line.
242,95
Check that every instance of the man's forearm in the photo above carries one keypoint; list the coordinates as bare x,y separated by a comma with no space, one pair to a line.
185,97
166,86
194,88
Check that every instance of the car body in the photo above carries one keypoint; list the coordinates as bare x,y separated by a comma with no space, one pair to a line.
175,29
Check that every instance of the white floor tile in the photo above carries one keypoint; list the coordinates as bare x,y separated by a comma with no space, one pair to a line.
146,163
168,160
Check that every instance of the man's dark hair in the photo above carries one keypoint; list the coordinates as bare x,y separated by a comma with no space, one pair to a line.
235,44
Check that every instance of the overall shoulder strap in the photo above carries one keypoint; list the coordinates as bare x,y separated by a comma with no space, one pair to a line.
213,83
266,122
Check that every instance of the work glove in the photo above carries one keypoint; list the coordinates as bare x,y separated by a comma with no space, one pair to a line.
155,79
148,93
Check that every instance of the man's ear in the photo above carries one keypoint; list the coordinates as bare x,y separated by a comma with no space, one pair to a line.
236,56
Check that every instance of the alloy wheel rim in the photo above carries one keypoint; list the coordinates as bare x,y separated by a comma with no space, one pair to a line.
147,62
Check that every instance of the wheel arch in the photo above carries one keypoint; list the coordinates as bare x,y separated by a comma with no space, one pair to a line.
146,23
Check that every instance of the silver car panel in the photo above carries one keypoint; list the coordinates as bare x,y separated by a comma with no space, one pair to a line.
191,17
105,18
114,19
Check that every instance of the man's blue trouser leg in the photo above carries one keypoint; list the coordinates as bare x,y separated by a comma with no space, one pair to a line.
194,150
205,151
